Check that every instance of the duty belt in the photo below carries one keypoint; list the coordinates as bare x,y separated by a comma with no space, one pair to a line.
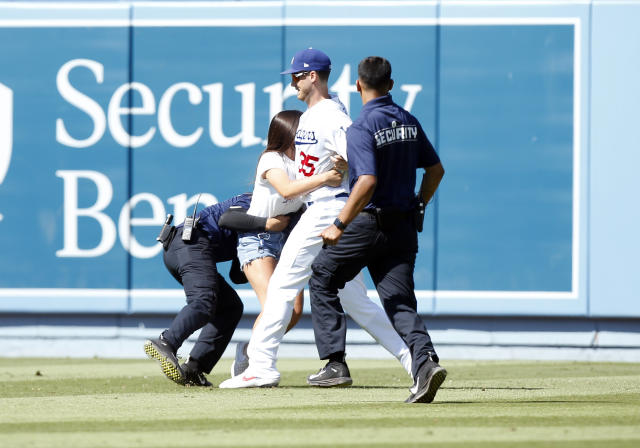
388,218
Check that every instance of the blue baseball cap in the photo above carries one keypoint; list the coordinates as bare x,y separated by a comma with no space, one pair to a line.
308,60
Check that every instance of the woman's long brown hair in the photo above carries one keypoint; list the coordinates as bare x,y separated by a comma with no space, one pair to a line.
282,131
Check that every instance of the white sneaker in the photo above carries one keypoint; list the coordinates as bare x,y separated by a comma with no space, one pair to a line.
241,362
248,380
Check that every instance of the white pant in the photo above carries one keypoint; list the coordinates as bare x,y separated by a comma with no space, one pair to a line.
291,276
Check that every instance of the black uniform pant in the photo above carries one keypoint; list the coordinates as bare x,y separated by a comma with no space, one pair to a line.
212,304
389,255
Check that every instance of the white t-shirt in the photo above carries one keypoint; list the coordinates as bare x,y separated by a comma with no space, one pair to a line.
266,201
321,134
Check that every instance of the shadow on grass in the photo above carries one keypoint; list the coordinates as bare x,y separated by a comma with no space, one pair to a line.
491,388
542,401
306,386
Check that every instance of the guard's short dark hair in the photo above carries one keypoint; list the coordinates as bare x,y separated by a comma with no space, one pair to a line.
375,72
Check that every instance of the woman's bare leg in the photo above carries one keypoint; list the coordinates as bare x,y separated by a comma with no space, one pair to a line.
258,273
298,305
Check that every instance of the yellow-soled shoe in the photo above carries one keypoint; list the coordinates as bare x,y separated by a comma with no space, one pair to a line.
160,350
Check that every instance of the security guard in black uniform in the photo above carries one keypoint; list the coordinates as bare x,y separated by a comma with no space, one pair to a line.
377,228
191,251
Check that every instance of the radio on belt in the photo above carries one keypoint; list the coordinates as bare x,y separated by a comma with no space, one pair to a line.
189,223
166,229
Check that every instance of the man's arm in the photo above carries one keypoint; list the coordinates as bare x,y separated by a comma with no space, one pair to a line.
430,181
360,196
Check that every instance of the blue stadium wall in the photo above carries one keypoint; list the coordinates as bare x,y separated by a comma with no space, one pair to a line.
113,114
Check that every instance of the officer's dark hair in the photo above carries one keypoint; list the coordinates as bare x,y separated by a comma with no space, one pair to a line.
375,73
282,131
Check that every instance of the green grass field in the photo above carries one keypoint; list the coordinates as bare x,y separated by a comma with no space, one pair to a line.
128,403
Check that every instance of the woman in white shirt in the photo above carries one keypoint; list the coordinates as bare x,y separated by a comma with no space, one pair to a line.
275,193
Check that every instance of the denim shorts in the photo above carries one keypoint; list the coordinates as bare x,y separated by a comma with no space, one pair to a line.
252,246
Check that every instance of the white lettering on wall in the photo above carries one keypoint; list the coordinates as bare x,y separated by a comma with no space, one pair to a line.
82,102
344,88
116,112
277,97
6,131
72,213
164,115
126,222
247,134
412,91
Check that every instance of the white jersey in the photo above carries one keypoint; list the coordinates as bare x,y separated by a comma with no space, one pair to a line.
321,134
266,202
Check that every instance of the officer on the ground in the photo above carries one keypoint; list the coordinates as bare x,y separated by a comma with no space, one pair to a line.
377,228
212,304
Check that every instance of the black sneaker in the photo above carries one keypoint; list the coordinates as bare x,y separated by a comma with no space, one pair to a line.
160,350
194,376
334,374
429,378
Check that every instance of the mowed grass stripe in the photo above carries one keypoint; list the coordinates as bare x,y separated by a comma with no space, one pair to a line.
129,403
26,368
291,424
241,407
335,436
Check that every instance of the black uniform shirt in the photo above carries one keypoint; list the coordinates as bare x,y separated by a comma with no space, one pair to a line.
388,142
226,240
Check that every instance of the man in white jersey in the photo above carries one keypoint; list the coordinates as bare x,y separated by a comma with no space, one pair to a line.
321,135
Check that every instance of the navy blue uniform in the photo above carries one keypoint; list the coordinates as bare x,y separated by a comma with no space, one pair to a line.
212,304
388,142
